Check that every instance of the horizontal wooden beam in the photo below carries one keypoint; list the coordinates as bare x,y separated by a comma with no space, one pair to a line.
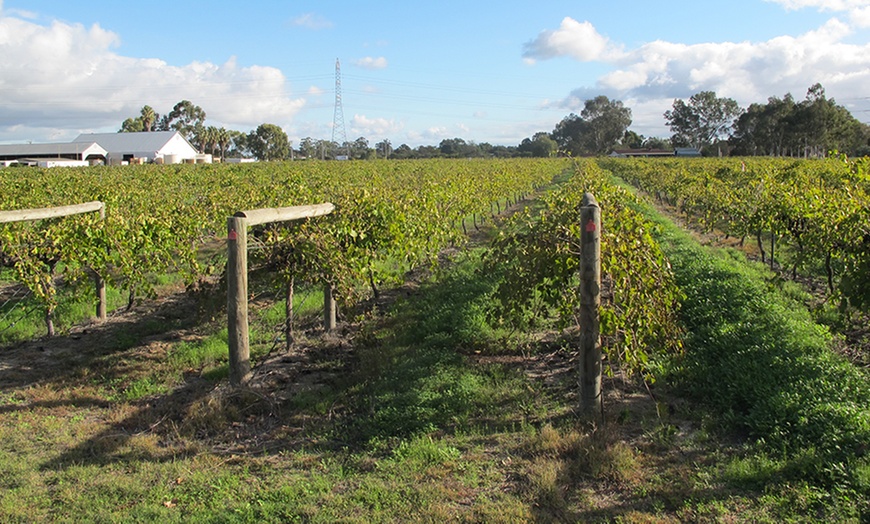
283,214
49,212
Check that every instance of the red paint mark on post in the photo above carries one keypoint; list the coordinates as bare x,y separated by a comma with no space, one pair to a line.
590,227
232,235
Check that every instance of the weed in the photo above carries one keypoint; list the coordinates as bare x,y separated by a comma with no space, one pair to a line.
143,387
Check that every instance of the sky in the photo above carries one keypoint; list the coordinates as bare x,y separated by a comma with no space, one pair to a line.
414,72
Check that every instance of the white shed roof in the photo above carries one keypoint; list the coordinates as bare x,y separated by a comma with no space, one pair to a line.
144,141
82,149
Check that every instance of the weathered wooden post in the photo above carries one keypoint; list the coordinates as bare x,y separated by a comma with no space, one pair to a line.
237,299
237,277
329,314
100,282
590,300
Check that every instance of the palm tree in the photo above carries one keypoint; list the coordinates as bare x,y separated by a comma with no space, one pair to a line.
148,117
223,138
211,138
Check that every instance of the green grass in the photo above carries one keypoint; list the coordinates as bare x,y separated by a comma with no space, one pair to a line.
757,360
24,319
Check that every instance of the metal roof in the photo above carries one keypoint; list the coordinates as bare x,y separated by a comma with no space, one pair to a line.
129,142
643,152
54,149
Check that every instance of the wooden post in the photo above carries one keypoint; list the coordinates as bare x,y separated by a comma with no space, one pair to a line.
329,315
590,300
100,282
24,215
237,300
100,287
237,278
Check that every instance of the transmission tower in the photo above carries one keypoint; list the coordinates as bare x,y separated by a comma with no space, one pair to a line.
339,134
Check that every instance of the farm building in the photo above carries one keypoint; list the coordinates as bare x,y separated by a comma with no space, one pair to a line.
688,151
644,152
87,151
169,147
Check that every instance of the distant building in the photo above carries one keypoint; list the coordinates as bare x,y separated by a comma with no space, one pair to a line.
169,147
84,151
642,152
687,151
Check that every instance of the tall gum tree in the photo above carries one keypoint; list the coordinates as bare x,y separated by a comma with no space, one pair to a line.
703,120
600,126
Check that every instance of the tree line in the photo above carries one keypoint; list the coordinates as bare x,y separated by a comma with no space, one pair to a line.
713,125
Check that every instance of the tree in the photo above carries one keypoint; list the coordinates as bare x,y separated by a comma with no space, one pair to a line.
404,151
202,137
223,141
384,148
632,140
185,117
210,139
144,122
703,120
148,117
604,123
239,143
810,128
132,125
763,128
822,126
539,145
655,142
269,142
567,134
327,149
452,147
308,147
599,127
359,149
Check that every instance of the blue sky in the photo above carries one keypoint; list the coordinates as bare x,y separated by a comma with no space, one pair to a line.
413,72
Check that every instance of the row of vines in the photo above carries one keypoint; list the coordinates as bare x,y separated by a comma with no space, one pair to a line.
807,216
539,255
388,217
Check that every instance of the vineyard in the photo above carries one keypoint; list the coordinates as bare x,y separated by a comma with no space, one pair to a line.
449,390
158,218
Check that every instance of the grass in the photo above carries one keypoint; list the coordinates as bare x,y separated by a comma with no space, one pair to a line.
23,319
424,411
757,360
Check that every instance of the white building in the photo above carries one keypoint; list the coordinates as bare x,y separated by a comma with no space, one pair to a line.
163,146
83,151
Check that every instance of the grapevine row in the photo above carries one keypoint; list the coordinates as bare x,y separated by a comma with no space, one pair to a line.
157,217
818,209
541,253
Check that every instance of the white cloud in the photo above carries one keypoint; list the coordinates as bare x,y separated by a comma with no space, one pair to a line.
860,17
432,135
374,127
371,62
67,77
311,21
315,91
579,40
751,71
822,5
655,73
858,10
